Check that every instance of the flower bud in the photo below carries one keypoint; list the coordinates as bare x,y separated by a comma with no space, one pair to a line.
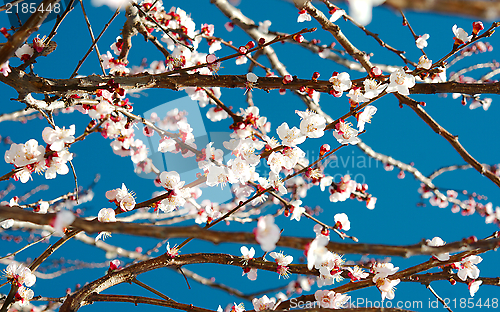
325,148
114,265
250,45
149,132
242,50
477,27
211,58
315,76
325,231
287,79
299,38
4,32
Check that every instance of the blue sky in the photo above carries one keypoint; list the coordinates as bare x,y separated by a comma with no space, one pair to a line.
394,131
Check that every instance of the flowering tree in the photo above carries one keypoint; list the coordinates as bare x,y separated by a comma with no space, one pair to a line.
265,160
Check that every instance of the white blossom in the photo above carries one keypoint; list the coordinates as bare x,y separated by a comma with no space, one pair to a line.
290,137
421,41
312,124
171,180
474,287
342,221
424,62
387,287
267,233
361,10
329,299
263,303
400,82
461,36
468,267
58,137
435,242
264,26
340,82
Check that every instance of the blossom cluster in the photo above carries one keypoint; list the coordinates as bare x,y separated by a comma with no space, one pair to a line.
24,278
31,157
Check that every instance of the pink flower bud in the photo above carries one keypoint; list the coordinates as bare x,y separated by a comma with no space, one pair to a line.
229,26
299,38
4,32
477,27
250,45
38,44
211,58
114,265
315,76
401,175
375,72
287,79
149,132
242,50
325,148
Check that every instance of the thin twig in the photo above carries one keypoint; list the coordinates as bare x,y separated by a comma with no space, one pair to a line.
80,63
92,37
452,139
151,289
438,298
27,246
76,180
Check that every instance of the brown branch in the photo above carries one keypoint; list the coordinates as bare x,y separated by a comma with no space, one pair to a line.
456,48
149,37
94,43
485,9
49,45
128,274
246,24
25,83
411,169
373,35
128,31
94,226
446,276
137,299
432,263
337,33
13,3
218,102
452,139
354,111
35,264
